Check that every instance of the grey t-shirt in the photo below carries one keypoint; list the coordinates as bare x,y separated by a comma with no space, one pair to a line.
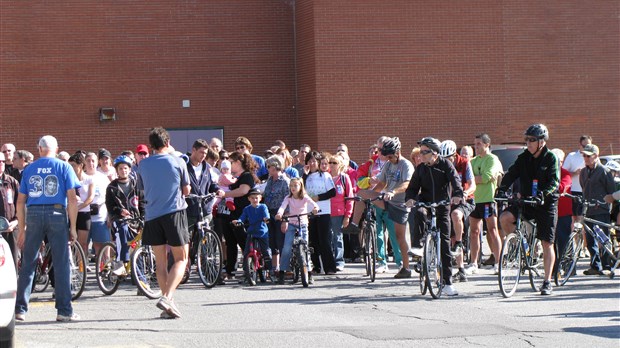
161,177
395,174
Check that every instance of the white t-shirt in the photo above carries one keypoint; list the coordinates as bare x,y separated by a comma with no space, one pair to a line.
83,191
572,162
317,183
101,184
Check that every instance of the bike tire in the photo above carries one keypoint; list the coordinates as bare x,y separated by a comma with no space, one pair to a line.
302,261
370,249
78,270
209,259
567,259
432,266
423,285
41,279
107,281
251,270
537,266
143,272
510,265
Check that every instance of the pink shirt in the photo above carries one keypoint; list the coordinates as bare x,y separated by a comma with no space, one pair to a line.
296,207
339,206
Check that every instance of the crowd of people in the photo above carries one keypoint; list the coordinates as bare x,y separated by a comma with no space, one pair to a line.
95,193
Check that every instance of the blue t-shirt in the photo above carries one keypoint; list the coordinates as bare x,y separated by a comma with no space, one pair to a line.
47,180
262,168
161,177
254,217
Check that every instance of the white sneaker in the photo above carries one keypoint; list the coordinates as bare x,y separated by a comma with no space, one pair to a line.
472,268
416,252
382,269
450,290
496,269
118,268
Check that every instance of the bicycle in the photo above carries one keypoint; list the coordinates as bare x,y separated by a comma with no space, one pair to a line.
107,261
521,251
253,262
567,259
300,258
430,266
143,271
206,247
369,235
77,268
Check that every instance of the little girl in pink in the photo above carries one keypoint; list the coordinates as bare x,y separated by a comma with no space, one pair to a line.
227,179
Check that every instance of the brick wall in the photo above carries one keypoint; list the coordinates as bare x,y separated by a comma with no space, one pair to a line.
320,72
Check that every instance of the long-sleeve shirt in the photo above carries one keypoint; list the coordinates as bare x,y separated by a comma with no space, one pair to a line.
297,206
255,216
434,183
597,182
340,206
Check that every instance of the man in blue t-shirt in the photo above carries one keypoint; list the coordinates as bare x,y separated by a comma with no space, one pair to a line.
165,180
48,190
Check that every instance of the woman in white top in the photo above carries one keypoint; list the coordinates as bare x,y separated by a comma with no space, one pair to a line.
86,193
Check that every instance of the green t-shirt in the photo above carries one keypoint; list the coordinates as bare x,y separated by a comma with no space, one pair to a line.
488,167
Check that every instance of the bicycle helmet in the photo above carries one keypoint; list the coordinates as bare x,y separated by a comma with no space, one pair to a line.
123,159
431,143
447,148
613,166
537,130
390,146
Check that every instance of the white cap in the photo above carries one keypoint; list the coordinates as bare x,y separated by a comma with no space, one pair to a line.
225,164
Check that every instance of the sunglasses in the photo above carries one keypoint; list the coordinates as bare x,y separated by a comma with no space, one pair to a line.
586,156
334,163
426,152
240,147
531,139
142,153
224,158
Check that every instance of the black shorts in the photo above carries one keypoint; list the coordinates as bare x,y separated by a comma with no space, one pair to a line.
478,212
83,221
577,206
466,207
168,229
546,218
395,214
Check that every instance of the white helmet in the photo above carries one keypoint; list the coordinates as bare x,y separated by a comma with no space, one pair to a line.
613,166
447,148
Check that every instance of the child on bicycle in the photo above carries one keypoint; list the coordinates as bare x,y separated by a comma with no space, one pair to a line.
124,201
297,203
256,216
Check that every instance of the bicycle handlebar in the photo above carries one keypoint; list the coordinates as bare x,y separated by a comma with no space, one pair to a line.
368,200
515,199
580,199
431,205
207,197
286,218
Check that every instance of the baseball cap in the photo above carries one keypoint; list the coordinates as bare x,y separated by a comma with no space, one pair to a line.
253,192
590,150
225,164
104,153
142,148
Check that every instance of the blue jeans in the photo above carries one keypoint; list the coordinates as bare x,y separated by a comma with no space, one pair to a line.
122,249
337,240
383,219
50,221
285,259
596,261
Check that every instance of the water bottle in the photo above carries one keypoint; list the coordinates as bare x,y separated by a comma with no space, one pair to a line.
600,235
526,247
534,187
486,211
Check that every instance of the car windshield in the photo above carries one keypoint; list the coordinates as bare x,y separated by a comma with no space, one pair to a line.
507,156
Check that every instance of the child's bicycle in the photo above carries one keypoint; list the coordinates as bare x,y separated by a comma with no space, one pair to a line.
300,258
110,270
521,251
369,235
567,258
253,262
430,266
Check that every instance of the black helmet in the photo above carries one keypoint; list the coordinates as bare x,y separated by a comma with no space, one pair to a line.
431,143
390,146
537,130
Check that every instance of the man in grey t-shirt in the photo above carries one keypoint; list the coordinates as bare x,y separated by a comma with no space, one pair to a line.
165,180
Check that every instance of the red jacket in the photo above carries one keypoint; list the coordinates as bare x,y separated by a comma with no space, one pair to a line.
565,204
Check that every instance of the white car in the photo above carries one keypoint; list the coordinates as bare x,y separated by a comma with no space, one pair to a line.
8,290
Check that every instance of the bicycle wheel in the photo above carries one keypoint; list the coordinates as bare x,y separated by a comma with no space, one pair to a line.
107,281
251,270
78,270
41,279
302,261
423,285
567,259
370,256
366,241
143,272
510,265
432,265
209,259
537,265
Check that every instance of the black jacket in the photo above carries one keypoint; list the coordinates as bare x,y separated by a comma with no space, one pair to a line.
432,183
115,200
200,186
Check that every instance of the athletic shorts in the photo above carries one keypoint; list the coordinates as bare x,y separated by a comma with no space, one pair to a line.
546,218
478,212
83,221
466,207
395,214
168,229
577,206
99,232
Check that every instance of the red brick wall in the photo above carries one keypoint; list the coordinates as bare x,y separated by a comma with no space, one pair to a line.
320,72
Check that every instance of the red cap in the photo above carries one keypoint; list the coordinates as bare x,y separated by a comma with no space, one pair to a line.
142,148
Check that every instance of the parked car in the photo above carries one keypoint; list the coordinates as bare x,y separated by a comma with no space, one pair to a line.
508,153
607,158
8,290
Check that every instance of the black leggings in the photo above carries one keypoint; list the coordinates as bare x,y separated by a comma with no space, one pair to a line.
320,236
234,236
443,224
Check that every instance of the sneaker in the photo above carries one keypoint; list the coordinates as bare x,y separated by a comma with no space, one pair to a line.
546,288
496,269
118,268
490,261
165,315
593,271
339,268
173,310
310,278
416,252
459,277
382,269
163,303
67,318
403,273
20,316
450,290
472,268
457,249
